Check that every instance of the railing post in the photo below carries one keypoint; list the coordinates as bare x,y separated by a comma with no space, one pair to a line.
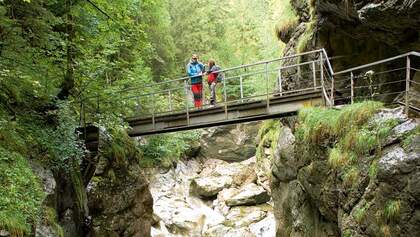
138,105
352,87
314,74
266,83
407,85
225,97
280,83
241,87
170,99
97,103
322,75
153,111
186,102
332,91
203,93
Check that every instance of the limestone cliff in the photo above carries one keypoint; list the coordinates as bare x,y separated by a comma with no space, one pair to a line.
360,178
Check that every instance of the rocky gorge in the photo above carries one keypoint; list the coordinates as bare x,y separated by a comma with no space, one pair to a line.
214,197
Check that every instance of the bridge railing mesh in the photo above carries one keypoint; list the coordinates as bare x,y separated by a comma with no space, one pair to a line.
246,83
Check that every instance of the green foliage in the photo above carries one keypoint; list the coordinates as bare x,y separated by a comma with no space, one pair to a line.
392,210
347,233
360,213
319,124
287,17
338,158
410,137
21,191
50,219
351,176
349,136
268,136
373,169
163,150
120,147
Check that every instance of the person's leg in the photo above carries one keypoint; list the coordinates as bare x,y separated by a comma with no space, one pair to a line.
197,93
200,93
213,93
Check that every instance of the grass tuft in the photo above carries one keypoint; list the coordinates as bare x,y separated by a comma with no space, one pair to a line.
350,177
360,213
392,210
336,158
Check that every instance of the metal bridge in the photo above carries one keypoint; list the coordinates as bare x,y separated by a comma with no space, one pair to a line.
263,90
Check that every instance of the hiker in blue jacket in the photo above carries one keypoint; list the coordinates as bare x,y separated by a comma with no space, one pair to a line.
195,71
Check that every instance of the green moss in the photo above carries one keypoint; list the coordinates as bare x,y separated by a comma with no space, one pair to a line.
120,148
268,136
21,194
304,39
78,187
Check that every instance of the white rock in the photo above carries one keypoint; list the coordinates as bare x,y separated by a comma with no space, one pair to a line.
249,194
245,215
264,228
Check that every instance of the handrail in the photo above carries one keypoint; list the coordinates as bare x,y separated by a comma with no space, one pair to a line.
328,61
224,70
412,53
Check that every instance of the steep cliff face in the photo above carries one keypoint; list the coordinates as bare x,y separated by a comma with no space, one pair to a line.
358,31
359,178
119,199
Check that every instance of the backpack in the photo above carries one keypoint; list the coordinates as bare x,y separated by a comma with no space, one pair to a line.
220,75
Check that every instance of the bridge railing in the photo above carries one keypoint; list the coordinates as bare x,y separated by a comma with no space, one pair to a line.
259,81
390,81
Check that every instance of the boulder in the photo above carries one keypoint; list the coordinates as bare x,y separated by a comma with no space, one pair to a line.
225,231
265,227
231,142
249,194
210,186
241,216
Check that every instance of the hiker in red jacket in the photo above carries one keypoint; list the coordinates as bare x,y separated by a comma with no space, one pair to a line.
212,79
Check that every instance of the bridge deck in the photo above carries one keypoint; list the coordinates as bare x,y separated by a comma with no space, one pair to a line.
220,115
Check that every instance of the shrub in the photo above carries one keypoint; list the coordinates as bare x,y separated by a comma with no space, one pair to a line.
164,149
21,194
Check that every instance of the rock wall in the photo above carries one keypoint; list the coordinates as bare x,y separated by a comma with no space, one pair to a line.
119,199
312,198
358,31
